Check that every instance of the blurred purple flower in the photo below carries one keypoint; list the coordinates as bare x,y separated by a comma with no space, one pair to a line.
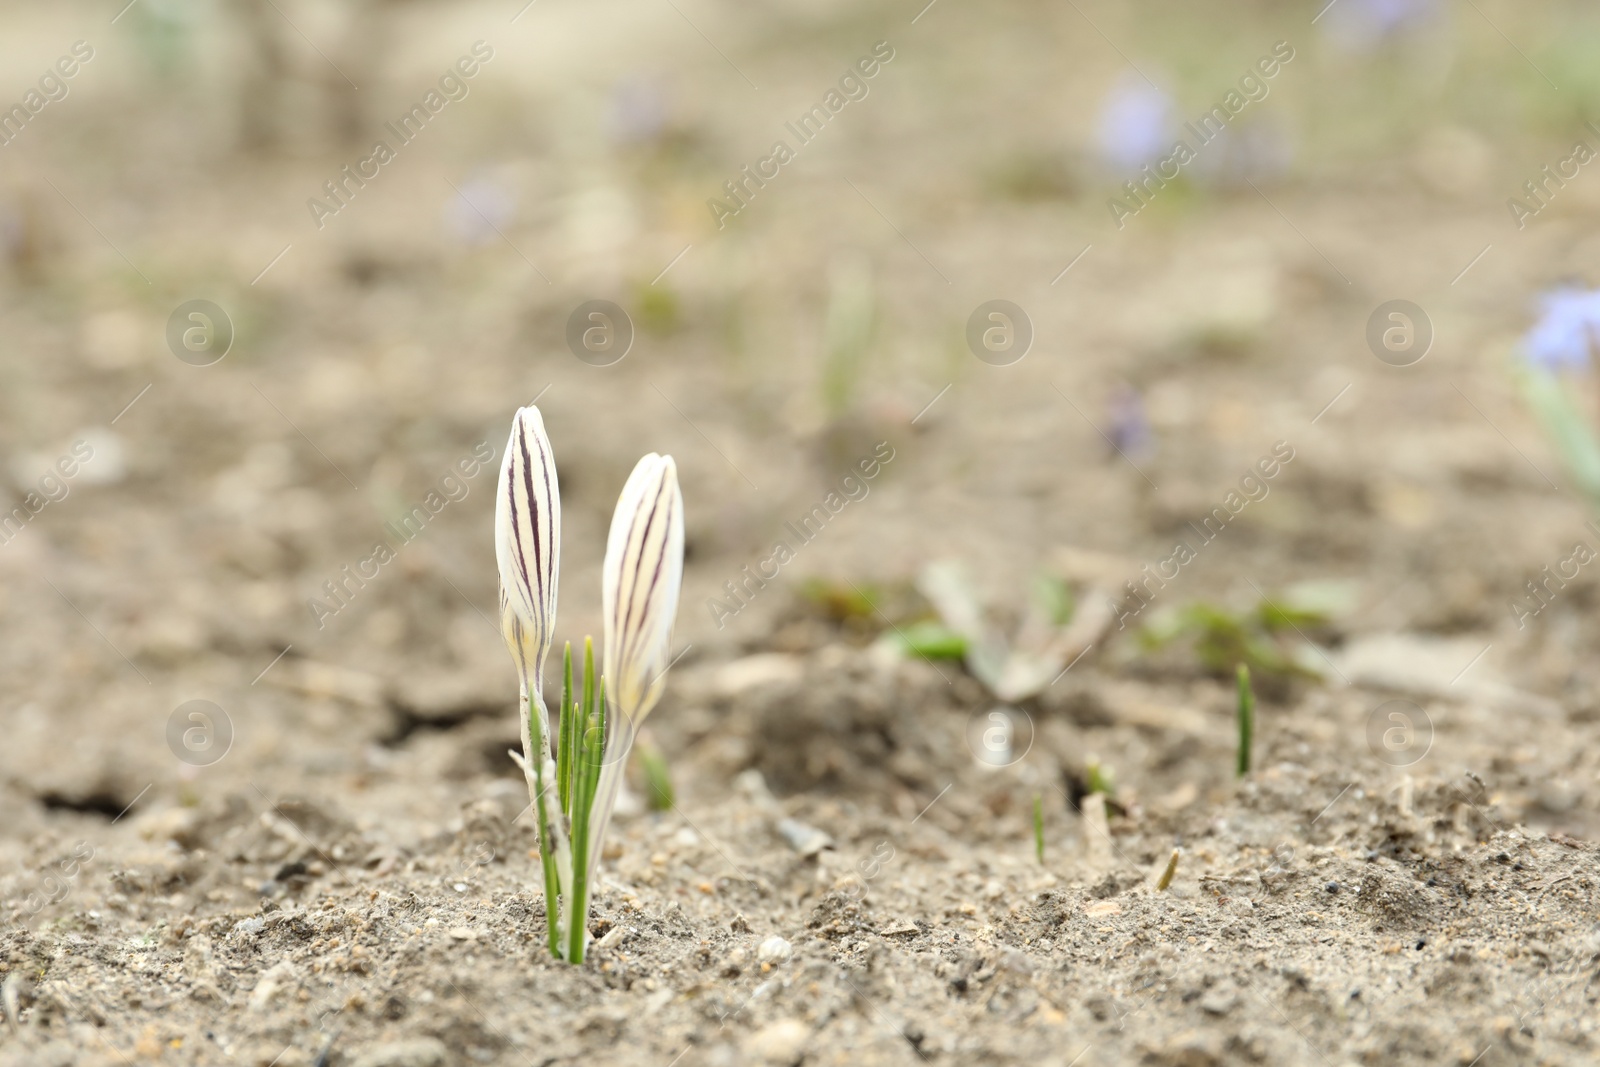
1363,24
1567,330
480,211
1128,428
1135,124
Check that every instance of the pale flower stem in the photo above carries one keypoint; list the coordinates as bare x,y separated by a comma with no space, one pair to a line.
551,847
561,847
605,799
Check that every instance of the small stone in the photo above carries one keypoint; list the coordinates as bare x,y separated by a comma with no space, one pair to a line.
1557,796
463,933
289,871
774,949
770,669
782,1042
1220,1000
276,978
1103,907
174,824
806,840
1332,887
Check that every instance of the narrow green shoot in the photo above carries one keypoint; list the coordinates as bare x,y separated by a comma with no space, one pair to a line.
564,751
1247,719
1097,777
1038,827
590,733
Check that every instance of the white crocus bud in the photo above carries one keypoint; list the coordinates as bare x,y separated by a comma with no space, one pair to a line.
639,588
527,546
640,582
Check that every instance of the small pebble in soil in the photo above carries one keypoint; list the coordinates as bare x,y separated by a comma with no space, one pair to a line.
781,1042
1219,1001
1332,887
774,949
806,840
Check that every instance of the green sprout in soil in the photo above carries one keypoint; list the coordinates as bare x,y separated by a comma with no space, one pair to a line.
842,602
931,640
573,772
1247,720
1273,639
1038,827
658,309
1014,658
1098,778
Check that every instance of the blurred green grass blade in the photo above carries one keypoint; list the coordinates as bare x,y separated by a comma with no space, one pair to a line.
931,640
1567,427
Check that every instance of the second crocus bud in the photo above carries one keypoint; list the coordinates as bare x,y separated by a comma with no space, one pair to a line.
642,577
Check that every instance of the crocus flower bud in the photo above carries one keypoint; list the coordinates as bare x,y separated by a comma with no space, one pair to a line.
527,545
639,588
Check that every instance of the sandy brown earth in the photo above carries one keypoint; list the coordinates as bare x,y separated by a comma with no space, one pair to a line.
242,829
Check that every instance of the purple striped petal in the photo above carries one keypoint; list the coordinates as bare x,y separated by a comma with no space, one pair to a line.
640,584
527,544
